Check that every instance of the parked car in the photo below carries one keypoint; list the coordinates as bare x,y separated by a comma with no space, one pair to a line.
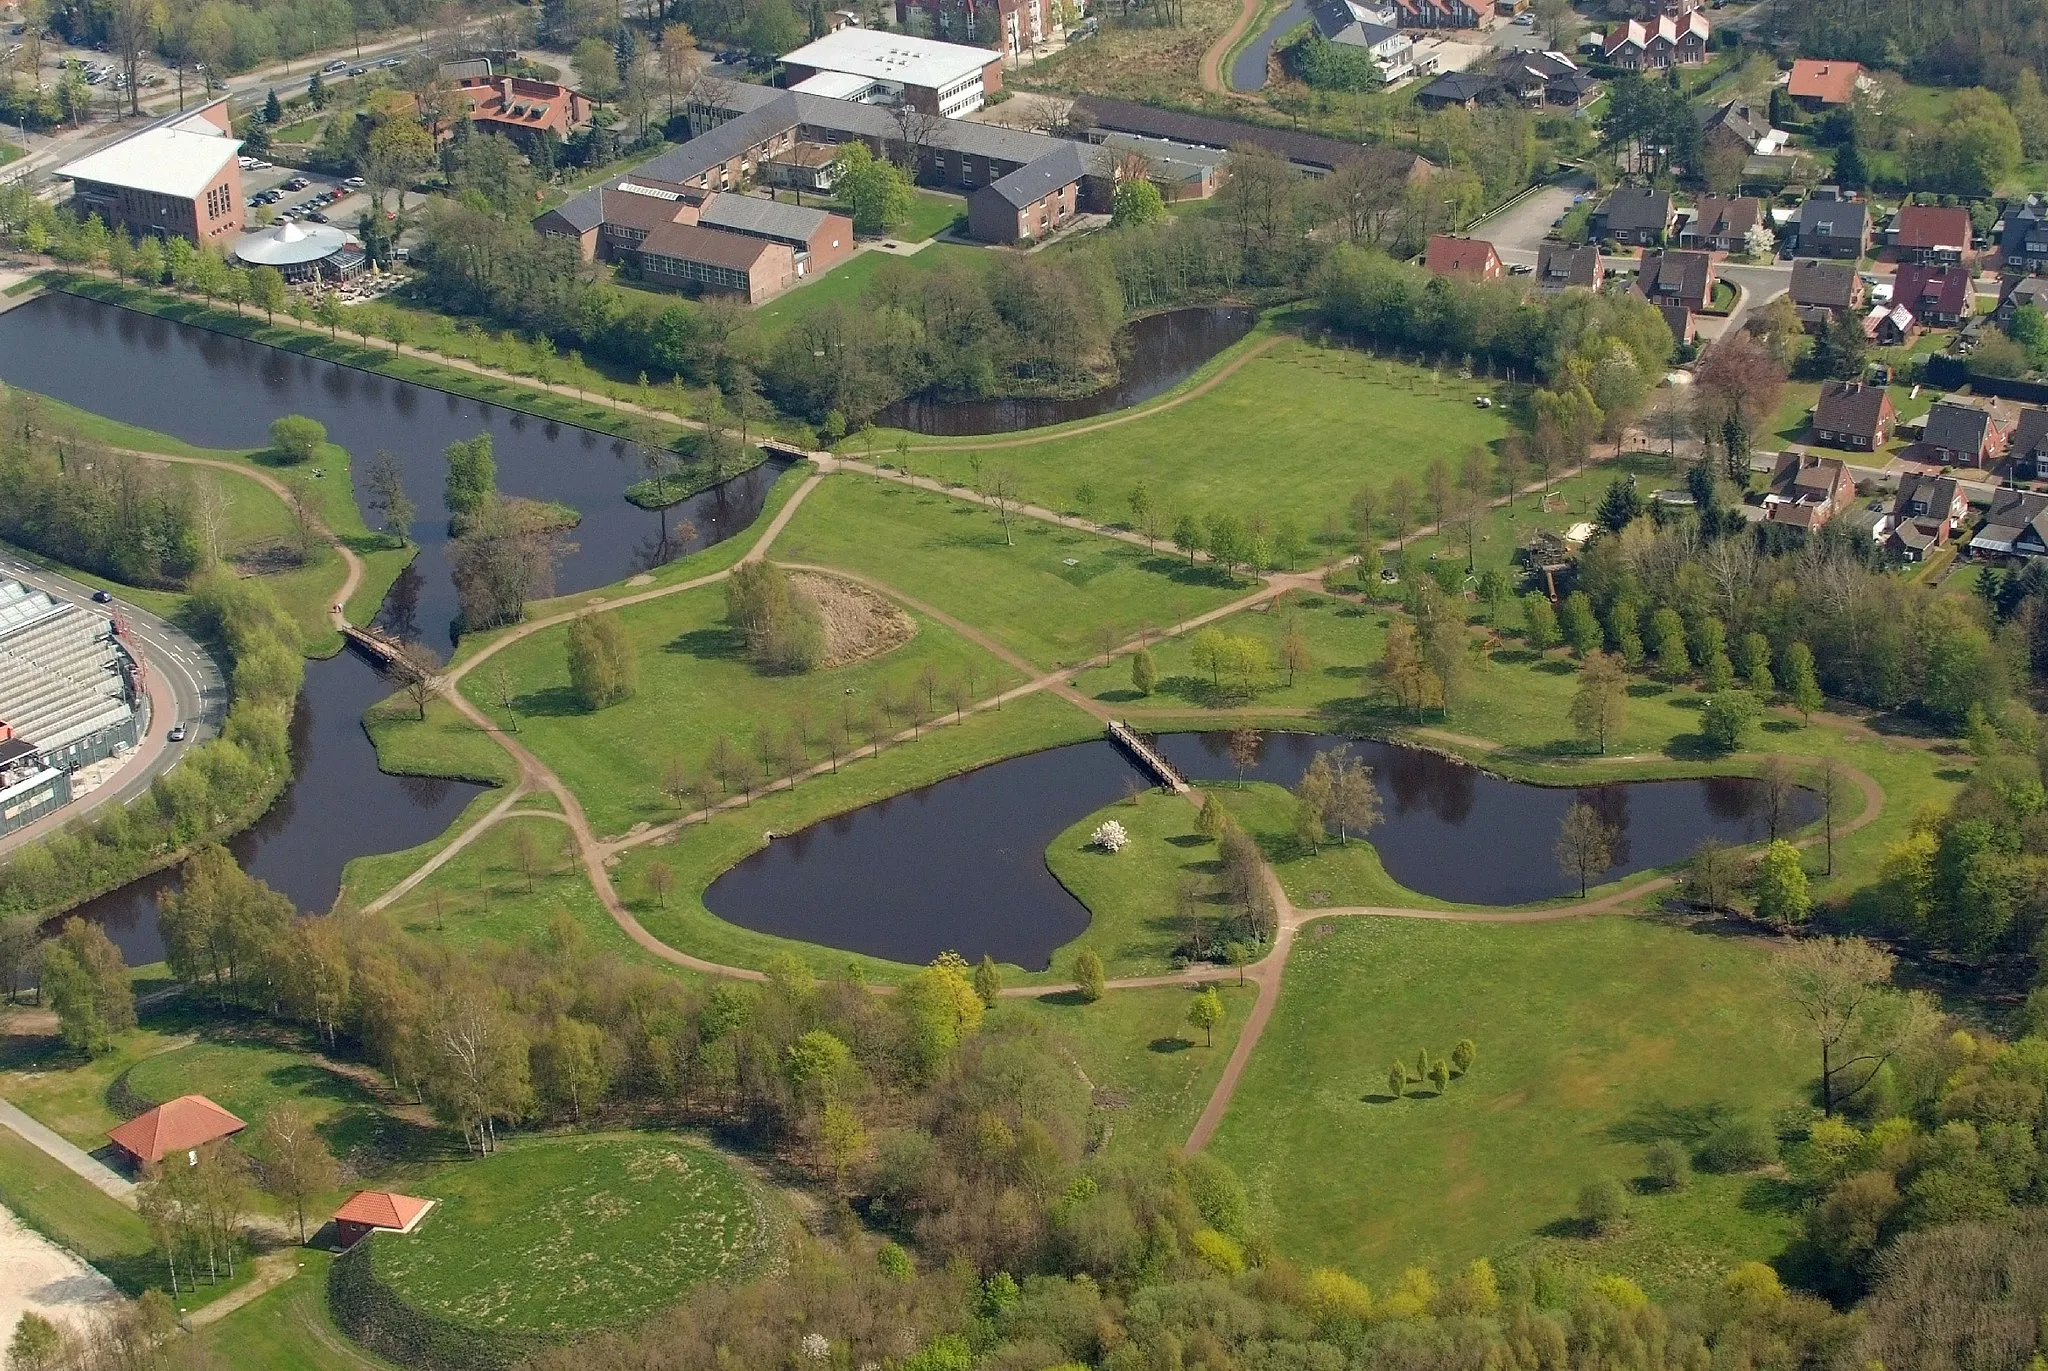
102,597
297,183
1520,269
334,66
177,733
317,217
355,183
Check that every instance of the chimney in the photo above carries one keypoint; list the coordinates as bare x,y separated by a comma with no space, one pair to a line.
505,90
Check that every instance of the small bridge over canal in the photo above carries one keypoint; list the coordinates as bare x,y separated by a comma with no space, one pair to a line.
1146,756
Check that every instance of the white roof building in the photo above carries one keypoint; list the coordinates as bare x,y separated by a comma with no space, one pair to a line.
291,244
952,71
178,157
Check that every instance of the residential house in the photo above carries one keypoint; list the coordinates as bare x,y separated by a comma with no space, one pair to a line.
1830,226
2015,526
1929,233
1808,490
622,220
1816,86
185,1125
1853,414
1547,78
1031,203
1464,89
1824,291
1652,45
2027,452
1634,214
1721,224
1467,259
1438,14
1684,328
1926,513
1676,277
1560,266
1738,127
1890,325
1968,434
1392,51
2023,234
2024,291
1312,156
527,112
1940,297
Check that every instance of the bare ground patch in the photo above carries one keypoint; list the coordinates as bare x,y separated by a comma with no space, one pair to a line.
859,624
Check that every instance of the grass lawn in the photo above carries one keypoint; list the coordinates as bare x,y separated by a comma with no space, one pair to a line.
1344,639
562,1235
951,554
699,853
695,686
1349,874
1131,895
1291,434
288,1326
251,1079
846,284
1595,1037
1151,1070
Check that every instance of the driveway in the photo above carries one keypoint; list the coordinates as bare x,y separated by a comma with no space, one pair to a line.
1515,231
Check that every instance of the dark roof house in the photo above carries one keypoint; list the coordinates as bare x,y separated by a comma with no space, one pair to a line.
1854,415
1807,490
1968,434
1935,295
1560,266
1676,277
1634,214
1722,223
2016,525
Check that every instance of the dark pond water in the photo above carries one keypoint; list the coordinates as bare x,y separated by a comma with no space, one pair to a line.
223,392
218,391
1154,354
976,843
1248,72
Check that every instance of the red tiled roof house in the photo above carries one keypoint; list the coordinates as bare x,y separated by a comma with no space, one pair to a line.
1469,259
1929,233
1940,296
1807,491
1816,86
182,1125
522,110
371,1211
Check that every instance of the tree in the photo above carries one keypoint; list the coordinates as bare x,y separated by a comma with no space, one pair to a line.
1841,988
273,109
417,666
570,1064
661,882
266,286
295,439
1600,705
296,1163
1137,202
133,27
1539,620
385,481
1711,874
1801,687
37,1345
1088,978
1463,1054
1831,786
1144,673
1840,351
472,480
398,150
1603,1207
1582,627
988,981
1585,845
328,313
603,668
1621,506
877,191
1397,1079
1206,1012
1294,654
87,984
1780,890
1728,720
1244,744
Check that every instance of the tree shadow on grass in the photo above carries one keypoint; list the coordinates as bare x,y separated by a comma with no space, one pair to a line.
1173,1044
1187,840
1378,1098
1773,1195
1179,571
1648,690
716,643
1568,1227
1063,997
1556,666
1693,747
1120,696
1780,726
1660,1120
553,703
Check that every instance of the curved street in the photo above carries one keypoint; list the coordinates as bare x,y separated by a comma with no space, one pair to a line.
183,682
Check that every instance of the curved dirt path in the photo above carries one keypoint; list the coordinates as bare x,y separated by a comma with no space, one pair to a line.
1212,60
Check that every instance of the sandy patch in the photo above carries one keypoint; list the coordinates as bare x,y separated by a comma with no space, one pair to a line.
859,624
39,1277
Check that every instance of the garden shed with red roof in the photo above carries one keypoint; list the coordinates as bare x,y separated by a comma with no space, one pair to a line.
369,1211
182,1125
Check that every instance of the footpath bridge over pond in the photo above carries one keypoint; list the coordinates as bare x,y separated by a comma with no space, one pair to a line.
1147,756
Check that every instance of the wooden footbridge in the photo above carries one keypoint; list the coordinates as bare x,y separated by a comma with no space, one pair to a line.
1147,756
378,647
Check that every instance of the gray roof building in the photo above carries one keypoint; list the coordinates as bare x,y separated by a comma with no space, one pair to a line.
62,678
1063,166
748,214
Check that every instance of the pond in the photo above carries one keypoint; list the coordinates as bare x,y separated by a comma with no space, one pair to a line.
977,844
217,391
1248,70
1154,354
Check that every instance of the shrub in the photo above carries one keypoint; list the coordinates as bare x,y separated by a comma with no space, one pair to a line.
1729,719
602,667
1739,1145
1603,1207
1088,975
295,438
1218,1251
1670,1168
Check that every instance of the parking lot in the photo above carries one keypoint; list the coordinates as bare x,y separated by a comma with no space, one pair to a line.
292,194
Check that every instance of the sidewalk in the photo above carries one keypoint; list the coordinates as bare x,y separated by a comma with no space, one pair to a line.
74,1158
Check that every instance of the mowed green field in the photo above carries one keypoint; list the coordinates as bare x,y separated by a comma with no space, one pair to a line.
696,686
1291,434
1047,596
568,1234
1595,1037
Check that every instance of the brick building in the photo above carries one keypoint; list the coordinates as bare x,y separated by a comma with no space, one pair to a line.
177,177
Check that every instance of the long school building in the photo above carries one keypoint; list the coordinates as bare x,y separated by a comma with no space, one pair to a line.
68,687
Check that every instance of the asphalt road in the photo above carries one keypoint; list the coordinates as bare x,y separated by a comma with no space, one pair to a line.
183,683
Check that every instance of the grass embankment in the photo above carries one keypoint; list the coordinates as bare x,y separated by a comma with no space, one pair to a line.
1595,1038
846,285
258,532
1049,594
1290,434
286,1327
696,685
563,1235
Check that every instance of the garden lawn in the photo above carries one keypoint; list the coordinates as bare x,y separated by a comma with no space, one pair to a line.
1345,638
1595,1037
930,213
1290,434
698,854
1150,1069
952,555
563,1235
847,283
695,686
